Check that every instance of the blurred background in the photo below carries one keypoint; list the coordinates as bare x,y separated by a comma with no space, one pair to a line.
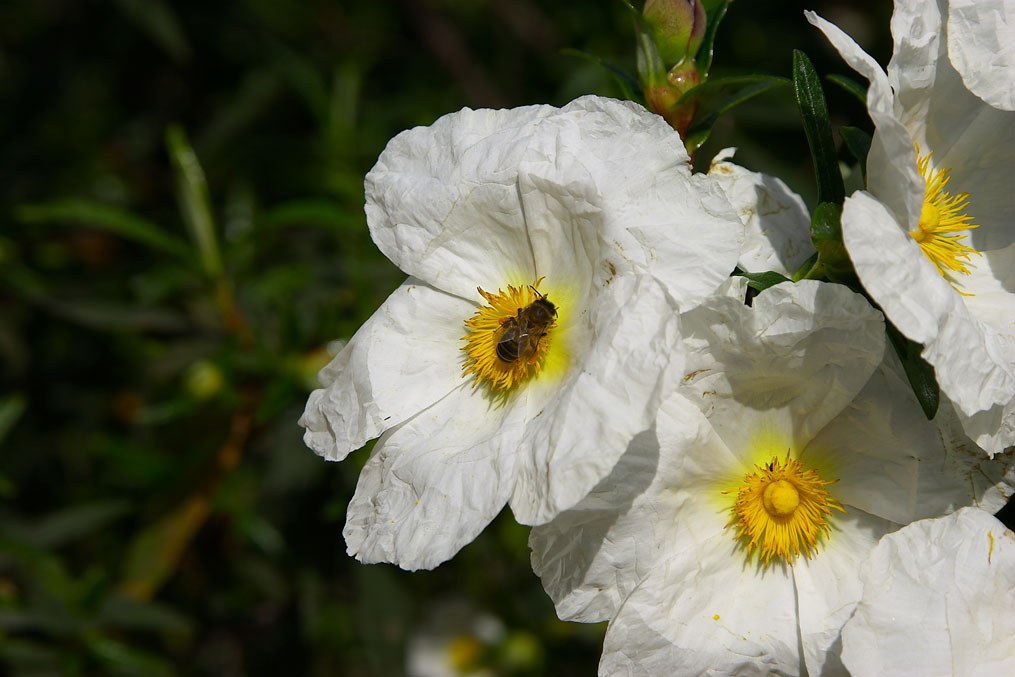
183,246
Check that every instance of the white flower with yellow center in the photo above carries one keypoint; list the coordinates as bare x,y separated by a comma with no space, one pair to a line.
933,237
938,599
549,251
727,540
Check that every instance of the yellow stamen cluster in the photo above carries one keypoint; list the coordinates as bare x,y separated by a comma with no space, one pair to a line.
486,328
781,510
941,217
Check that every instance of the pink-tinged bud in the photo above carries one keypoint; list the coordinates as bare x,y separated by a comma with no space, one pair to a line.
677,28
662,98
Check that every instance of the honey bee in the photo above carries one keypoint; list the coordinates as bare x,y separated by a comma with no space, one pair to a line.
523,332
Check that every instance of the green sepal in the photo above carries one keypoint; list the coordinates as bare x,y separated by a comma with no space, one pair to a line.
858,143
814,114
919,372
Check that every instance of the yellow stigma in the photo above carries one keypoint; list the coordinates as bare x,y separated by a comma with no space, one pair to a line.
941,217
781,510
485,330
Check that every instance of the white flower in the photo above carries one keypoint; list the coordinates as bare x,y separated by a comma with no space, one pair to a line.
778,226
454,640
981,46
595,206
933,241
938,599
727,540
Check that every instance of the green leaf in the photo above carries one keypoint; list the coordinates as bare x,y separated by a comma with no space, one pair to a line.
851,86
814,113
321,213
104,217
159,20
858,143
715,10
628,83
720,95
74,522
762,281
11,409
192,195
919,372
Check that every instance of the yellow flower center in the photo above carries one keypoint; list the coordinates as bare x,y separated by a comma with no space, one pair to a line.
506,342
781,510
941,217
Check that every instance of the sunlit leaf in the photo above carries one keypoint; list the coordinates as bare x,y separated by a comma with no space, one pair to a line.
814,114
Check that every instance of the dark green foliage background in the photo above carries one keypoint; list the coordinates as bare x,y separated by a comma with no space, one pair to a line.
104,432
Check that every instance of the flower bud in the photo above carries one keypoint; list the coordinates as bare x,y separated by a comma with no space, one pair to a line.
670,33
677,27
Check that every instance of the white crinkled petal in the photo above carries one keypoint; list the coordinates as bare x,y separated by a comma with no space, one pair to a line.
891,162
433,483
592,556
702,611
657,216
579,427
937,599
986,484
786,366
981,46
991,285
403,359
442,201
939,471
972,364
828,587
777,222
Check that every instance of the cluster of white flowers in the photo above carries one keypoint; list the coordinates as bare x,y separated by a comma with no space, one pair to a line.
726,478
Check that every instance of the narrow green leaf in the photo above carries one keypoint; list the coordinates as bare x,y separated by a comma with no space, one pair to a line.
715,10
322,213
762,281
814,114
104,217
719,96
159,20
11,409
919,372
192,196
851,86
858,143
76,521
628,83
